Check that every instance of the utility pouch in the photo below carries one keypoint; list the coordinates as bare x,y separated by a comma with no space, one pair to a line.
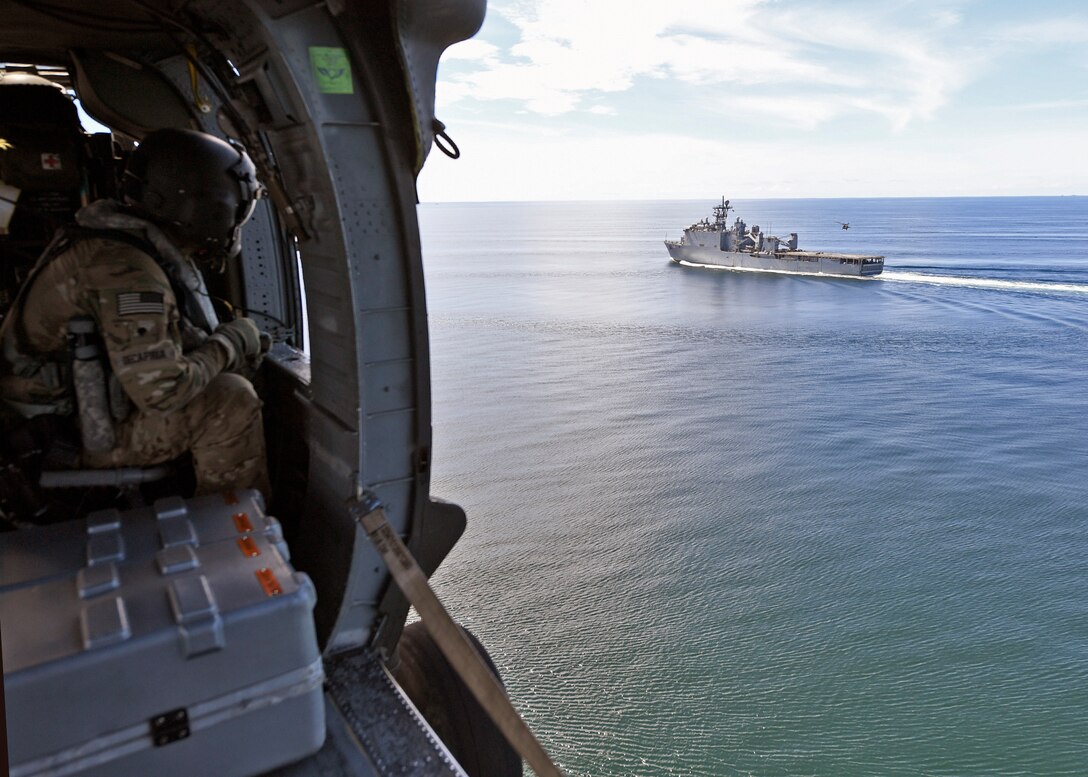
120,404
91,386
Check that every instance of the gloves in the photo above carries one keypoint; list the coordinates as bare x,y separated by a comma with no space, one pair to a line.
242,339
253,363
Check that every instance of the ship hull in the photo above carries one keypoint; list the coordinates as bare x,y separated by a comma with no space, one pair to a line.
795,262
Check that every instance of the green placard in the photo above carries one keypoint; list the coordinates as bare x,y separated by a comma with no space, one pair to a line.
332,69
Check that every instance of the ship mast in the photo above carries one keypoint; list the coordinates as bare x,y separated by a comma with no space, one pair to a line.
721,214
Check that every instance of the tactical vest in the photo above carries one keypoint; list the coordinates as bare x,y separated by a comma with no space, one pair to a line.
52,371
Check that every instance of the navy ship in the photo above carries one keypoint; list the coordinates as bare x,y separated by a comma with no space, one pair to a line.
740,247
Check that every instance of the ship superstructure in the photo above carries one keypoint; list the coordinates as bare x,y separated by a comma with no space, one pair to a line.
740,247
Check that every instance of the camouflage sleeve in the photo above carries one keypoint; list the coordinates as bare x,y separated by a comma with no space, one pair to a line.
138,319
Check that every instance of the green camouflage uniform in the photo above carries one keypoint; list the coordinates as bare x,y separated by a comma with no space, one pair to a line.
183,399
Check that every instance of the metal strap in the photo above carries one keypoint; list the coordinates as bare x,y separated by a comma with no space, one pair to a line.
451,640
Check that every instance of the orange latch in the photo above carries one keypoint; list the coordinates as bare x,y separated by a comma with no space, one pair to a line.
268,582
242,523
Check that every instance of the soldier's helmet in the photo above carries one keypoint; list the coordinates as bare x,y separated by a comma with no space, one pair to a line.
201,188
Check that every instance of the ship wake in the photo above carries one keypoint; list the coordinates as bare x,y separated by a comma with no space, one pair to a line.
894,276
969,282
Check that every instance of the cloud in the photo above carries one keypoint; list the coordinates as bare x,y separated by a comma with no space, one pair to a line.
802,112
472,50
901,65
786,98
709,61
1043,32
517,162
1047,105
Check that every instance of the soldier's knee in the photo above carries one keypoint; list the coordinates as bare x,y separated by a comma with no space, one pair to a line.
226,408
232,394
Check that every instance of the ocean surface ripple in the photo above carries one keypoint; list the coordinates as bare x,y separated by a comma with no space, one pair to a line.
749,524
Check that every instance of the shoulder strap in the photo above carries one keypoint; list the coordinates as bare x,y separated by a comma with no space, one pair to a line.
66,237
71,234
62,239
184,296
14,355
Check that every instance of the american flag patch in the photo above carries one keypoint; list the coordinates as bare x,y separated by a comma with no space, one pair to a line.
139,303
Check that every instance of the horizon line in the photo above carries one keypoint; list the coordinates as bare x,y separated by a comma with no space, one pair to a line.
701,199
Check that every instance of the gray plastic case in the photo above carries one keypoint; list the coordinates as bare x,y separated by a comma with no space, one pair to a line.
37,554
175,660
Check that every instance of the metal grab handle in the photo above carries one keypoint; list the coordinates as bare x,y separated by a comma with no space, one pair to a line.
89,478
452,151
453,643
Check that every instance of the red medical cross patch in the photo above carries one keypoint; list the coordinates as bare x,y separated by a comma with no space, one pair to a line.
51,162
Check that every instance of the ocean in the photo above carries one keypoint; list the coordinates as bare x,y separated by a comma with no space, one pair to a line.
728,523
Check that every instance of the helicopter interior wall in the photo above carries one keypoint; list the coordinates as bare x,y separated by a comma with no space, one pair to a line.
367,405
296,414
128,96
345,162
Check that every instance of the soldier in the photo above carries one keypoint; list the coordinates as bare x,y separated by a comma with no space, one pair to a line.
130,268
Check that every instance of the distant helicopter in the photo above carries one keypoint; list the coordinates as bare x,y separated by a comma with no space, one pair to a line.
843,224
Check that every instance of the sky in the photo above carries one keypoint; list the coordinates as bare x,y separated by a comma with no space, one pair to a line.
682,99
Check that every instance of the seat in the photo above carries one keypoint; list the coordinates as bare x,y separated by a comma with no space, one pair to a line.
42,163
49,168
